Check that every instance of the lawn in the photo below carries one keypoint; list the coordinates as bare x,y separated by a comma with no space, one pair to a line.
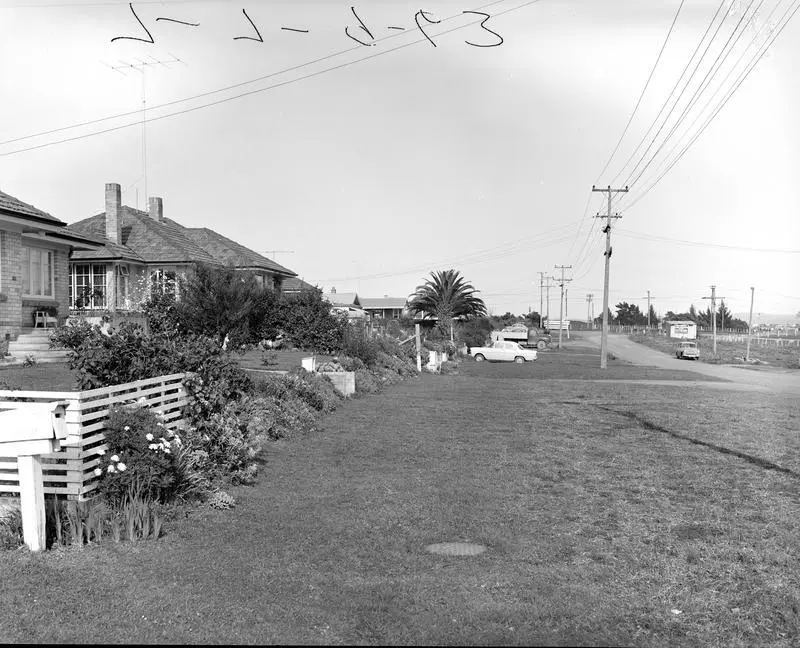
53,376
787,357
282,360
613,514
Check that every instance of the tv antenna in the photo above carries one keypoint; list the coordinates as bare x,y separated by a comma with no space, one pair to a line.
141,67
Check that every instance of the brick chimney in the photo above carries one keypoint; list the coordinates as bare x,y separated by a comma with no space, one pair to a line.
114,212
156,208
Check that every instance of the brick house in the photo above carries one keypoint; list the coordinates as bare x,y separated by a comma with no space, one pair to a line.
145,250
34,265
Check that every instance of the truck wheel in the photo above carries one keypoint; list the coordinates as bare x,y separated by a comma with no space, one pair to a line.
479,357
541,344
519,359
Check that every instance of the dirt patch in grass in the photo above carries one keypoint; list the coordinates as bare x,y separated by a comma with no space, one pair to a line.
52,376
601,528
787,357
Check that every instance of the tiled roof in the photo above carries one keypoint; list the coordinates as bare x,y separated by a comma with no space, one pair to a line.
342,299
296,284
383,302
226,251
16,206
148,239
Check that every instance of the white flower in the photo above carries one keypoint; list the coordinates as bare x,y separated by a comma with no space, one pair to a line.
166,451
121,466
101,452
148,436
142,402
98,472
114,458
153,446
160,424
127,428
111,469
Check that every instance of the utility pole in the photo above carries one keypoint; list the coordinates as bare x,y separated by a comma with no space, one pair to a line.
607,254
547,288
541,297
648,310
589,308
713,299
566,304
561,316
750,324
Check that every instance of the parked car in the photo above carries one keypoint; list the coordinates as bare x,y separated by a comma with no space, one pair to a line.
687,349
503,350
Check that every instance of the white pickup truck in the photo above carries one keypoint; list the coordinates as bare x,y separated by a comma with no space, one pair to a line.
503,350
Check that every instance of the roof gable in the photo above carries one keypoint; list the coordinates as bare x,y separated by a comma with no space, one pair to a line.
342,299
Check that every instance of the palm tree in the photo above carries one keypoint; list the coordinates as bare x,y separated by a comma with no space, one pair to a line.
446,295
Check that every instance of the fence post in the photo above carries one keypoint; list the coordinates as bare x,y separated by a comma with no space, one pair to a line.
31,501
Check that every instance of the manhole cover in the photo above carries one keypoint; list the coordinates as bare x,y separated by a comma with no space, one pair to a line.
456,548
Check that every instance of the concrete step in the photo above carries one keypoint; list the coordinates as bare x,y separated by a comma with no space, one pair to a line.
36,332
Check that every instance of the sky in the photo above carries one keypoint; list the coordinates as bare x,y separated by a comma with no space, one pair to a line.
432,145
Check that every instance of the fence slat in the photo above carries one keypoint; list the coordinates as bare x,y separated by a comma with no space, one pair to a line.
70,472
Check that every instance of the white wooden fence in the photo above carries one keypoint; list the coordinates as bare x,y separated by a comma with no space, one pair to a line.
70,472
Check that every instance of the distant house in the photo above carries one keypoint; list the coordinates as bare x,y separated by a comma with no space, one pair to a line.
385,307
143,251
346,303
34,265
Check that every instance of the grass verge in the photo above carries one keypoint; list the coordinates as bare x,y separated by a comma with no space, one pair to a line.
603,527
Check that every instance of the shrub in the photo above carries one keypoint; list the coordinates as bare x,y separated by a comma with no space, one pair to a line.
351,364
10,527
356,345
308,323
366,383
142,455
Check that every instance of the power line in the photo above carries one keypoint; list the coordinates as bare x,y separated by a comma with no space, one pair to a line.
742,77
664,239
641,96
671,93
700,89
250,92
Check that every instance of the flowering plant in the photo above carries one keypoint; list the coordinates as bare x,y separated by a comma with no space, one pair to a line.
144,453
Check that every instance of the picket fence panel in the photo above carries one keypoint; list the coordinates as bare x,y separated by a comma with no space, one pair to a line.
70,472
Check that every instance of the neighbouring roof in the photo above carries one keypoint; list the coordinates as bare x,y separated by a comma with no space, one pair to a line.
342,299
16,206
368,303
143,238
296,284
228,252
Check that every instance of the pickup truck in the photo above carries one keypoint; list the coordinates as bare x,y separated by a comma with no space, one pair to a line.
526,337
503,350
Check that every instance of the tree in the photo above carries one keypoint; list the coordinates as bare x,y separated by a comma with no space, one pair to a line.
693,313
629,314
598,321
220,302
475,332
654,319
532,319
446,295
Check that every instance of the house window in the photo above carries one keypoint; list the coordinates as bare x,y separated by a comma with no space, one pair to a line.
123,286
163,281
88,286
37,272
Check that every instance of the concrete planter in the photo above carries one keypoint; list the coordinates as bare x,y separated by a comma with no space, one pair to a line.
344,381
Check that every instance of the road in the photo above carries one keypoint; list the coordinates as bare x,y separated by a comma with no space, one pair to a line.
771,379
